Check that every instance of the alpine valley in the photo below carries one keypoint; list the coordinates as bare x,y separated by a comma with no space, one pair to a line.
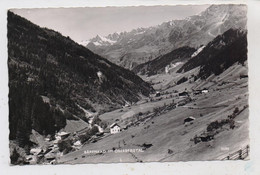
177,91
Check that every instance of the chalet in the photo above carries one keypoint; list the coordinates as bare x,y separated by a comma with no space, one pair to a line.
114,128
158,94
62,135
50,156
188,119
77,145
36,151
32,159
196,92
126,105
205,91
243,76
126,127
184,93
100,129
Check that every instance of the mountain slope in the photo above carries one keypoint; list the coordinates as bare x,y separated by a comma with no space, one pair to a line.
219,54
52,78
130,49
167,61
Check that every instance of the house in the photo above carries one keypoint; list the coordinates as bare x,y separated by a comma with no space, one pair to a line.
36,151
100,129
114,128
188,119
196,92
158,94
77,145
243,76
184,93
205,90
50,156
62,135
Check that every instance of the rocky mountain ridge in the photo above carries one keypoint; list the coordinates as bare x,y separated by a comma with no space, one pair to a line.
129,49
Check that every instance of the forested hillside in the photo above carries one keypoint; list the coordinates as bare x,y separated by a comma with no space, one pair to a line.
51,78
158,65
220,54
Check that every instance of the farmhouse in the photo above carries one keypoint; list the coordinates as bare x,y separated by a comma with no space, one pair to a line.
36,151
197,92
77,145
158,94
188,119
184,93
205,91
114,128
61,135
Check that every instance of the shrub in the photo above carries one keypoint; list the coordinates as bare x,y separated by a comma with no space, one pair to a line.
84,138
14,157
236,110
69,116
93,130
103,124
212,126
65,146
232,124
196,139
218,124
96,120
170,151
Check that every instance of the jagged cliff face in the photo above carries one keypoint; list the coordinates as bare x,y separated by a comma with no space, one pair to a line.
129,49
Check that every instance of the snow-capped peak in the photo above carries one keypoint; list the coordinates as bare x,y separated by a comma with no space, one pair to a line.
101,40
84,42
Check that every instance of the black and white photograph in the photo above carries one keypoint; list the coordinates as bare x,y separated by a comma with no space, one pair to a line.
128,84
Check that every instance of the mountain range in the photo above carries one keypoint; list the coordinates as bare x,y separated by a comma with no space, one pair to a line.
56,84
217,56
129,49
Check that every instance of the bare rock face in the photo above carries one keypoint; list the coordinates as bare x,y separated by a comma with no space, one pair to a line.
129,49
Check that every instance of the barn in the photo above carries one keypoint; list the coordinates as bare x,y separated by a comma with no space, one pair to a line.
158,94
184,93
188,119
114,128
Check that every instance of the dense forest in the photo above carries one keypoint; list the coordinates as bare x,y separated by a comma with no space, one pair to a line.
51,78
220,54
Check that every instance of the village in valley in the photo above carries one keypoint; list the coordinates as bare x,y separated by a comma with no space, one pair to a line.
174,115
180,94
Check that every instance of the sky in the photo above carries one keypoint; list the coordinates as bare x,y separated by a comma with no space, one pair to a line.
86,22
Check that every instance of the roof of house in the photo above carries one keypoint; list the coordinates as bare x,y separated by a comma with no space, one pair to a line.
35,150
77,143
191,118
113,125
62,133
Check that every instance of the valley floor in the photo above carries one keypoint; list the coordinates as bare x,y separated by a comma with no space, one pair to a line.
162,136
